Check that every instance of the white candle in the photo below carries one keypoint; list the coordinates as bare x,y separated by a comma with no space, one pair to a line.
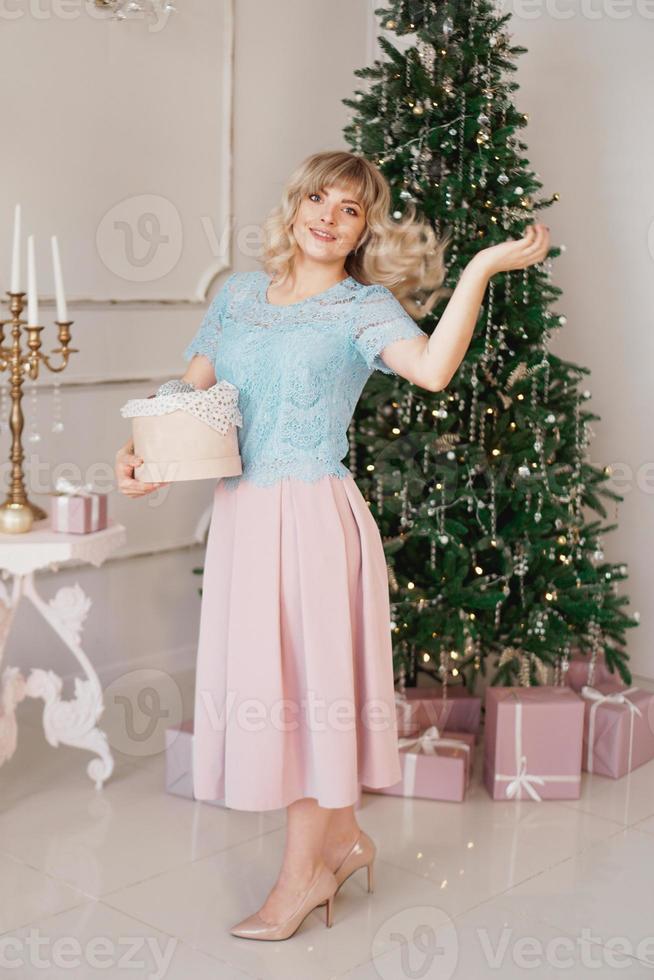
32,297
62,313
15,258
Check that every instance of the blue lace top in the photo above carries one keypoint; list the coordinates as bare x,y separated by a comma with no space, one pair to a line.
300,369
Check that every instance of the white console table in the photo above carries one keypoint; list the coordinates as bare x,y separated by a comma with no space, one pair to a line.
72,722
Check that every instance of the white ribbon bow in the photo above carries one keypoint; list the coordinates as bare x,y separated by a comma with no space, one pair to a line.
63,485
430,740
524,779
616,697
427,742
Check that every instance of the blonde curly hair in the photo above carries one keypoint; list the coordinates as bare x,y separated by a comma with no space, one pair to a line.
404,255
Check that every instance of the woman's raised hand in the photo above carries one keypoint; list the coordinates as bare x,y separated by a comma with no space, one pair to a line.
515,253
125,463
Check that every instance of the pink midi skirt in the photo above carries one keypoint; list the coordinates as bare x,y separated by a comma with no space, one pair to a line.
294,693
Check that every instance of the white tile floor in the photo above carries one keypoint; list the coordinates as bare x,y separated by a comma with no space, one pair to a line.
134,879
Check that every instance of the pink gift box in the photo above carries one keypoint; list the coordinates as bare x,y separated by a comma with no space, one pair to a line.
618,729
179,763
422,707
533,743
441,774
78,513
577,673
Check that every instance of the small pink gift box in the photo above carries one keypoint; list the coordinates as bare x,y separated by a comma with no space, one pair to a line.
578,670
435,766
76,509
533,742
618,729
419,707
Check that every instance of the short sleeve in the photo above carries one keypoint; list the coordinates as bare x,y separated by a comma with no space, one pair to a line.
380,319
205,340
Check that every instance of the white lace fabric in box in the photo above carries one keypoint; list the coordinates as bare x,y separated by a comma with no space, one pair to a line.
186,435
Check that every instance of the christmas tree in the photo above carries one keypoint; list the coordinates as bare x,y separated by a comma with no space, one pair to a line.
484,492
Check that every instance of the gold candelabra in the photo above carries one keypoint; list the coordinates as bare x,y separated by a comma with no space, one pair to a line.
17,513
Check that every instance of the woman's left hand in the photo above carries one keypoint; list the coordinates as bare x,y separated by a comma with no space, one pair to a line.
514,253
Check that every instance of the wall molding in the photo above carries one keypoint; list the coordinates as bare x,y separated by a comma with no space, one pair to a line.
93,382
207,276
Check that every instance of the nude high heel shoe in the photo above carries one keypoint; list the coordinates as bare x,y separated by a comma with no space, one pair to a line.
320,892
361,855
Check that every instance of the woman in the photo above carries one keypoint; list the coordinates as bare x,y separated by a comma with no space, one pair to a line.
295,604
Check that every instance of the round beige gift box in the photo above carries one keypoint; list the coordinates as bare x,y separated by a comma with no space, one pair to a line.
186,435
